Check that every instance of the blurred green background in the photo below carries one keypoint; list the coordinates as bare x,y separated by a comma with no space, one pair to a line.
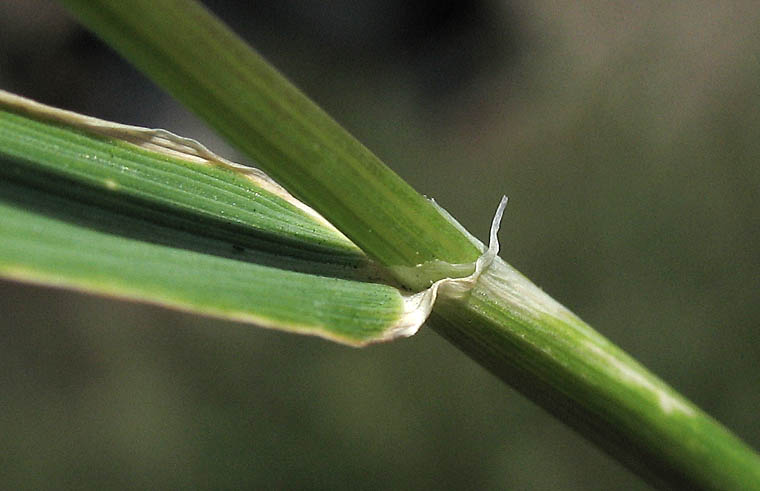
627,136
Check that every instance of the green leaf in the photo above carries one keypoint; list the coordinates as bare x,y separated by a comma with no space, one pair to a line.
102,215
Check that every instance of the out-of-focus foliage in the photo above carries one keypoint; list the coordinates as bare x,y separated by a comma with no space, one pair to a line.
627,138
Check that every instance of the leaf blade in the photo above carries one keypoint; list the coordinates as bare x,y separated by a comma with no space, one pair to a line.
178,233
41,249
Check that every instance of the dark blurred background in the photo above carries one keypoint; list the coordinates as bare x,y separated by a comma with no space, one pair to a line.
627,136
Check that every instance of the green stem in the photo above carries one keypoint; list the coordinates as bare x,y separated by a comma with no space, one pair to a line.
506,323
206,66
543,350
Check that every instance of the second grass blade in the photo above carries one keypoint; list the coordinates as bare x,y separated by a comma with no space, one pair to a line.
97,214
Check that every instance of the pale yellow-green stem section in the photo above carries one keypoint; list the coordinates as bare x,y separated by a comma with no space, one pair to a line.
545,351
